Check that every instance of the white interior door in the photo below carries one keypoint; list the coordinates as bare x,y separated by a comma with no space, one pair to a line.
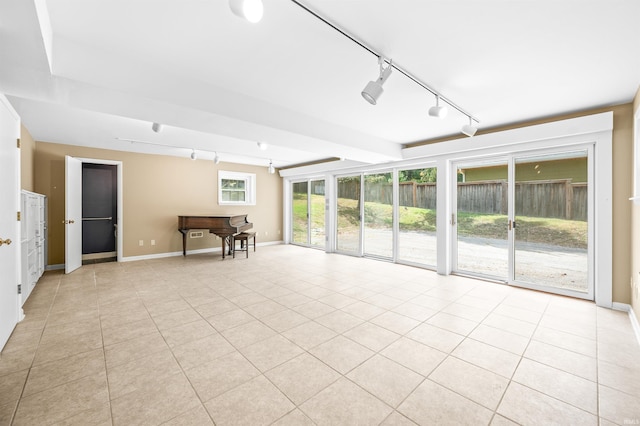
9,226
73,215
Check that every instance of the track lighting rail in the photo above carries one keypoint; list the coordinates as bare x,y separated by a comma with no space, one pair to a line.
394,65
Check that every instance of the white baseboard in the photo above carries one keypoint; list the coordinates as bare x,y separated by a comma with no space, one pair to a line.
635,324
632,317
168,254
179,253
624,307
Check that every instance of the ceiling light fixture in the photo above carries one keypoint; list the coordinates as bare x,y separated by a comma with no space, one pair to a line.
263,146
194,155
395,66
437,110
272,170
373,90
469,129
156,127
251,10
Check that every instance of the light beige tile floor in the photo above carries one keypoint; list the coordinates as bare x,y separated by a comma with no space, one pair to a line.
294,336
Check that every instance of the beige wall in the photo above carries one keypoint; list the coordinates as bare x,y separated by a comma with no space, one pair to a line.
27,154
622,190
635,238
156,189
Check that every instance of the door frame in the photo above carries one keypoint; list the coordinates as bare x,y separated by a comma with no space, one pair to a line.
120,218
510,162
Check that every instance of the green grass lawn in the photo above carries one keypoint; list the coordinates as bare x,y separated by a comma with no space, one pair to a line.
559,232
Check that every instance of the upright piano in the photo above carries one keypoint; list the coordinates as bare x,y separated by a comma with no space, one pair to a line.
224,226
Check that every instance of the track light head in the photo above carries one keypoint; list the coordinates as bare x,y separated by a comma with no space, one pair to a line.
216,159
437,110
251,10
469,129
193,155
373,90
272,170
156,127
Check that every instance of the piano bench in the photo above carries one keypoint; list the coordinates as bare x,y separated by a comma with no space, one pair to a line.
244,238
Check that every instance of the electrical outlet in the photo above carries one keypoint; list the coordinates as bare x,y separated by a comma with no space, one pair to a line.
266,233
153,242
141,242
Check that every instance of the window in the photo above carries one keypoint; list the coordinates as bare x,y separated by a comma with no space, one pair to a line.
236,188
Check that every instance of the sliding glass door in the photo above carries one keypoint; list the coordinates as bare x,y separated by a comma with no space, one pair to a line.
317,236
378,215
308,213
417,216
551,223
365,215
300,213
525,219
348,207
481,218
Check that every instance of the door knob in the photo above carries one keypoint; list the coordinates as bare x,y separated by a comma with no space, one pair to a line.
7,241
67,222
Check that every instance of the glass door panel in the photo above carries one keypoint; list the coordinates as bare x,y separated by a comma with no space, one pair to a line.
551,217
482,221
316,213
300,214
348,220
417,216
378,215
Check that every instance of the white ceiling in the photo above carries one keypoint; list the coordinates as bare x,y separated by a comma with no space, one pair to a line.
89,72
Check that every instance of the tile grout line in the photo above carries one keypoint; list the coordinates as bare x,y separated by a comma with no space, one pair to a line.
24,386
517,366
104,352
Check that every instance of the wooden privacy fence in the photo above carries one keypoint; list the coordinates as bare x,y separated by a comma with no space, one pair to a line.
558,198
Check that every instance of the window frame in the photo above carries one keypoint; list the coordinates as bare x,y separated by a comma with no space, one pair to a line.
249,180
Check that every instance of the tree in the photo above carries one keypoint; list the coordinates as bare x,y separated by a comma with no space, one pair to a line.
419,175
